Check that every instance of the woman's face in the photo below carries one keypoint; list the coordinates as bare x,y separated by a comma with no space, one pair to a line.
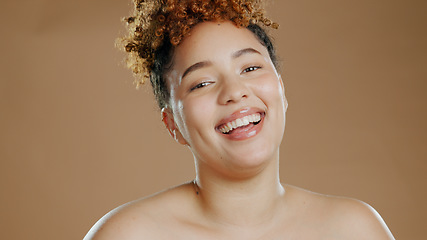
227,100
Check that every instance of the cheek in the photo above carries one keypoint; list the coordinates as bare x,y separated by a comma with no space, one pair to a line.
197,114
270,90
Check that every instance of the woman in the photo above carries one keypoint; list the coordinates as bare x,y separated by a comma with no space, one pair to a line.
213,71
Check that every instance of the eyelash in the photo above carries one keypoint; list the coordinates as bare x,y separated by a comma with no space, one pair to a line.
250,69
200,85
246,70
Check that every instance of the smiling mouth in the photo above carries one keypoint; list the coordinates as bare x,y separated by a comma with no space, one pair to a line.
240,123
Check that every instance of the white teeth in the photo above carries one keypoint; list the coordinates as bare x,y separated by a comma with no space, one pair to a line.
240,122
246,121
251,119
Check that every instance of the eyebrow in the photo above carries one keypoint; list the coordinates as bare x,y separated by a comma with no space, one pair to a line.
203,64
196,66
245,51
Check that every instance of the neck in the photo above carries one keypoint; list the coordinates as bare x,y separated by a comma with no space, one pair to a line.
246,202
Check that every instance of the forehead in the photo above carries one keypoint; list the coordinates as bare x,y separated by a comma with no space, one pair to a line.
214,41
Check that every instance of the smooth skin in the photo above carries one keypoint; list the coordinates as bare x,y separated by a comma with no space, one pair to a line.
221,72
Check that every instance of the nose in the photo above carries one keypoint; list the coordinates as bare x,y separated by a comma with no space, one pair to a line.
233,90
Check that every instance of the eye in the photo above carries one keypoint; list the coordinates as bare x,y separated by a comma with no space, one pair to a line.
200,85
250,69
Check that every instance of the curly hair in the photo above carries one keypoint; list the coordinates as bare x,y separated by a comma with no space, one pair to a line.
157,26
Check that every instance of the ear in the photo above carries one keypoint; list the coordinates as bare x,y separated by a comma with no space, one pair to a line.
169,121
283,91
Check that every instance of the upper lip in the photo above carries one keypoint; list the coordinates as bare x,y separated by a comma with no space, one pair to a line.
238,114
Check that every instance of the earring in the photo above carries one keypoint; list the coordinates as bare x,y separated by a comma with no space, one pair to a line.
174,135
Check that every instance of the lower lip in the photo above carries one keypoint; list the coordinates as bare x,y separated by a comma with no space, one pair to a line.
240,134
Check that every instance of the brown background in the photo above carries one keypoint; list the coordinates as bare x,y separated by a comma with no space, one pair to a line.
76,138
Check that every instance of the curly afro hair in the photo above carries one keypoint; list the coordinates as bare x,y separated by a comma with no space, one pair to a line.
157,26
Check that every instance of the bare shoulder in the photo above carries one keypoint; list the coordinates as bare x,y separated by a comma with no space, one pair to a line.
145,217
358,218
344,218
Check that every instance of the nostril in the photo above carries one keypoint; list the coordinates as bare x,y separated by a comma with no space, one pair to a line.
233,91
234,99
